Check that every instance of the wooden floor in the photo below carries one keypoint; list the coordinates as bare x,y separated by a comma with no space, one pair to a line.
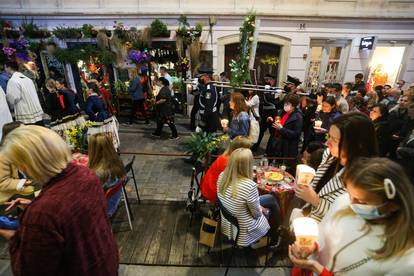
162,236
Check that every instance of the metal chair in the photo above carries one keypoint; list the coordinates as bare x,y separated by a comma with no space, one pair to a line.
233,221
194,193
111,196
129,169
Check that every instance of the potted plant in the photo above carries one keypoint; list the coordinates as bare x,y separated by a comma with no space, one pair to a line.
31,30
121,87
159,29
202,144
67,33
88,31
6,30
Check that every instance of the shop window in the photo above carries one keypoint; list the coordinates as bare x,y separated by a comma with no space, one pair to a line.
385,65
326,63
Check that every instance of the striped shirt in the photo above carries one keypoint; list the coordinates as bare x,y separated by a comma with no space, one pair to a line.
245,206
330,191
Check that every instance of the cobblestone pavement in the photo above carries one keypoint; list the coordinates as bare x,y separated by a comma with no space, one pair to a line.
158,177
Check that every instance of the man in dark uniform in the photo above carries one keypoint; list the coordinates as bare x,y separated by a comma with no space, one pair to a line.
209,102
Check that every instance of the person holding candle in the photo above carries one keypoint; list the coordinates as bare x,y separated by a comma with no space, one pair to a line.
325,117
238,193
373,225
350,136
240,123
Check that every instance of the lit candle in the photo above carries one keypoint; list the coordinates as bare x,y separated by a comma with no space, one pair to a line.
306,232
304,174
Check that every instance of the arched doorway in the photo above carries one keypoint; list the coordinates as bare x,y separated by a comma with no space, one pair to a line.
265,54
272,45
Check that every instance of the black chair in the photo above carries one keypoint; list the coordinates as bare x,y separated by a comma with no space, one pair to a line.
194,195
129,169
233,220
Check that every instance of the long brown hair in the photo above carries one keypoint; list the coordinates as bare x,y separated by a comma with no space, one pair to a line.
369,175
239,103
103,158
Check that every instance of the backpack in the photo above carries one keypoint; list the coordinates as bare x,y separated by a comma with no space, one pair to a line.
254,130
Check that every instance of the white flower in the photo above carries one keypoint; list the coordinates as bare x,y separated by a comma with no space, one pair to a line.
251,39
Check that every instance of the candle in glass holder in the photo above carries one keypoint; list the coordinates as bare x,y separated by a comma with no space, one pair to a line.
306,232
318,124
224,123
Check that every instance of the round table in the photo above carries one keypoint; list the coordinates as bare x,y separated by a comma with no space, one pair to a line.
283,189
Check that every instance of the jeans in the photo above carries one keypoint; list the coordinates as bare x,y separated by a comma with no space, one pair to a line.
269,201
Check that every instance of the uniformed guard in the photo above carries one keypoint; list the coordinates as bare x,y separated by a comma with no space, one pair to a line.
209,102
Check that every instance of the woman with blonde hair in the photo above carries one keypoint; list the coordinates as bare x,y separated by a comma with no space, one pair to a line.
65,230
209,180
372,225
240,123
238,193
104,160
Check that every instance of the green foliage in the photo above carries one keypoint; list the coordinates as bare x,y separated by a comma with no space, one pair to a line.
67,33
120,87
88,31
84,53
36,47
159,29
202,143
31,30
240,67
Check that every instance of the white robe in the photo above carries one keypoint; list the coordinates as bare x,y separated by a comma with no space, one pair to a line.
5,115
22,95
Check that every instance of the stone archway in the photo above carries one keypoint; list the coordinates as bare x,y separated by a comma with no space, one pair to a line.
282,42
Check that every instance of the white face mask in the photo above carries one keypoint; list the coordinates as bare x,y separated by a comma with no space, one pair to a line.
287,107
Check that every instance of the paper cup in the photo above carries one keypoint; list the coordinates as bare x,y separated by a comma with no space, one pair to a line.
306,232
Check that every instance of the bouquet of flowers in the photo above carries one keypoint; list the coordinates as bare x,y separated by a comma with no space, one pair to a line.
139,57
182,65
77,136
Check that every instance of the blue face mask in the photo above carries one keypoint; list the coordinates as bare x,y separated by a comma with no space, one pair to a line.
368,212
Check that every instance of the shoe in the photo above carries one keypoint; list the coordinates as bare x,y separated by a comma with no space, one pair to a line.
174,138
155,135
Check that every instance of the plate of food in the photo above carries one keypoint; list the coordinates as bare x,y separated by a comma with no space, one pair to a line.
273,176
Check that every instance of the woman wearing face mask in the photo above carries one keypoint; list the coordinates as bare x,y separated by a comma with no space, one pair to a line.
287,129
372,225
351,136
325,117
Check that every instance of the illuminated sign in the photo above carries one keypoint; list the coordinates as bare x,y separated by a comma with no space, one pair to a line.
367,43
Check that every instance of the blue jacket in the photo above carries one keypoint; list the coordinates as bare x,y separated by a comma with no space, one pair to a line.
95,109
135,89
4,78
239,125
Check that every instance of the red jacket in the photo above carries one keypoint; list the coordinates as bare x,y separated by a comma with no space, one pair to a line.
209,181
65,230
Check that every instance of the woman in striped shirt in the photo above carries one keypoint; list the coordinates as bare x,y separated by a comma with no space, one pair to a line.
239,195
350,136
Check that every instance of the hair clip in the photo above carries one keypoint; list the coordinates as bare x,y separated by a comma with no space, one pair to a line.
389,188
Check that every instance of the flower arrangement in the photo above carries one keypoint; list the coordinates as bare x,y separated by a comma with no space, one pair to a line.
7,30
268,60
77,136
182,64
89,31
67,32
16,48
202,143
121,31
139,57
31,30
240,68
159,29
187,33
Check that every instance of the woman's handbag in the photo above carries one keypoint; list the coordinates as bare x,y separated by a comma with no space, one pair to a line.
208,231
254,130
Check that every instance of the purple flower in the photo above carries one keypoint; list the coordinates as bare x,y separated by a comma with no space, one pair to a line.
139,57
19,44
8,51
23,56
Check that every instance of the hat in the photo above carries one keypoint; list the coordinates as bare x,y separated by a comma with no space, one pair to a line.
203,71
293,80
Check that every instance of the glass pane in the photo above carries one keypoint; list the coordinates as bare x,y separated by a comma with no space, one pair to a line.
335,53
332,71
316,53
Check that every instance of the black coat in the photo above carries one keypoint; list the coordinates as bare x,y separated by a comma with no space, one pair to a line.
165,109
286,140
383,133
54,107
